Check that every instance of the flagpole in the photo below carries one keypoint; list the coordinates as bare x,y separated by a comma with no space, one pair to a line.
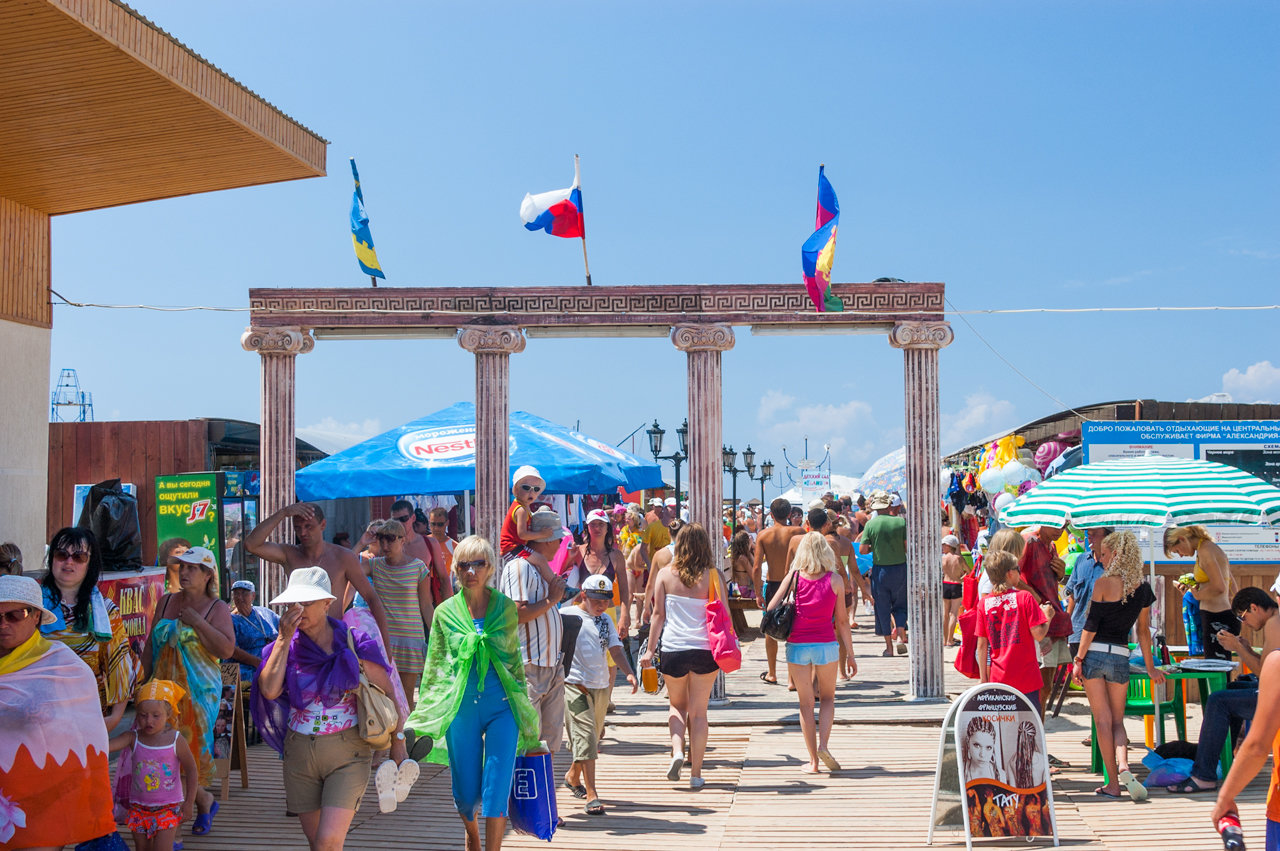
373,280
577,182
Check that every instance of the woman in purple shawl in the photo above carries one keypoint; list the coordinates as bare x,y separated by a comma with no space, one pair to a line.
304,704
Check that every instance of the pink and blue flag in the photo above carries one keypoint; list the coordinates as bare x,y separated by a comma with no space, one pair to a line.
558,212
819,250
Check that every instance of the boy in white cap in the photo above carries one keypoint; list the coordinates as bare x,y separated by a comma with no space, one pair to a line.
586,690
527,485
953,572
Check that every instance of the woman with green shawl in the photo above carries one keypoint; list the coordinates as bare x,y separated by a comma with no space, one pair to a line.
473,698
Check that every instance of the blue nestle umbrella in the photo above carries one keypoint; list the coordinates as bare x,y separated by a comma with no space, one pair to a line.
436,454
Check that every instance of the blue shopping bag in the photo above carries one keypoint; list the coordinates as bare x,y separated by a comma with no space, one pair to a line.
532,807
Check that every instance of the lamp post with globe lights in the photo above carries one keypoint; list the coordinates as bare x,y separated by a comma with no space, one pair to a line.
676,458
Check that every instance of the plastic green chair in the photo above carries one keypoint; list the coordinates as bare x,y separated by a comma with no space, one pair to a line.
1140,703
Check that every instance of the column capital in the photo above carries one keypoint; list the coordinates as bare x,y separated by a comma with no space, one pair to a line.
702,338
278,341
921,335
503,340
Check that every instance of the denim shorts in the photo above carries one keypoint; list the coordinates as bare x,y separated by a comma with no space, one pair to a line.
1108,666
817,653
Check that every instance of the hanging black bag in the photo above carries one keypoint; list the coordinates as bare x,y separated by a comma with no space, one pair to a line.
776,622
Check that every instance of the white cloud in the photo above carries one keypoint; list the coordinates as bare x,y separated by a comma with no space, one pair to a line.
981,416
1258,383
849,429
332,436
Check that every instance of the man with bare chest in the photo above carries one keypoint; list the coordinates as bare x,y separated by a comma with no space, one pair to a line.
341,564
771,549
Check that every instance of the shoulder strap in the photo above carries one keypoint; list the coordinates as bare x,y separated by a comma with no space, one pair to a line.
210,609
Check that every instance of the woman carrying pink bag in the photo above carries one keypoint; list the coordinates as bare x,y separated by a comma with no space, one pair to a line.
720,634
813,649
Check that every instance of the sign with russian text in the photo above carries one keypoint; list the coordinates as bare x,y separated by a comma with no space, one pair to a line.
136,596
187,507
1002,766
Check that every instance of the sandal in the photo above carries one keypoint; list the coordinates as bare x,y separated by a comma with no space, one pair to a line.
1058,763
578,791
1102,791
764,678
1188,787
406,775
887,653
384,781
595,808
204,821
1136,790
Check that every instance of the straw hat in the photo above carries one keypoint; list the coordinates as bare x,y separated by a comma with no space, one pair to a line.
25,590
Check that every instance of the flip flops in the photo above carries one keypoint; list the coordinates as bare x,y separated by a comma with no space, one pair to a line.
578,791
204,821
1136,790
595,808
1102,792
764,678
406,775
384,781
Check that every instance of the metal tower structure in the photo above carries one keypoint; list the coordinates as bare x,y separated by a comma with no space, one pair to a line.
68,398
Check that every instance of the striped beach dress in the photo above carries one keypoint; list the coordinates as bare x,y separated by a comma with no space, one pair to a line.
397,587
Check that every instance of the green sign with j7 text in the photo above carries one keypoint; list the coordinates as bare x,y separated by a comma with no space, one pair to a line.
187,507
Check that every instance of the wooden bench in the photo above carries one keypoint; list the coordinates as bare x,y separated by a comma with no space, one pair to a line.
737,607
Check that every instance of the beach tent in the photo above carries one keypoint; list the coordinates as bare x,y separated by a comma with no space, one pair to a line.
436,454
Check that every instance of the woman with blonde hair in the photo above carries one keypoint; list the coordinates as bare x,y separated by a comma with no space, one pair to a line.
819,631
1213,585
679,618
1121,598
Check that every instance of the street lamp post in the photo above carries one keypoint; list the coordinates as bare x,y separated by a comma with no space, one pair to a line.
766,473
677,458
730,460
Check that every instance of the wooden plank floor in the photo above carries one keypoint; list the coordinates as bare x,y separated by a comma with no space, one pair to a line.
756,795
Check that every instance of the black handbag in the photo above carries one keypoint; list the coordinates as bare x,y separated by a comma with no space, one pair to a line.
776,622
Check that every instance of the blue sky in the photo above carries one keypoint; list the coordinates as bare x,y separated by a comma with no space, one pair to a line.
1026,154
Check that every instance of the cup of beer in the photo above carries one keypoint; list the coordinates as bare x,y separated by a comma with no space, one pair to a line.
649,679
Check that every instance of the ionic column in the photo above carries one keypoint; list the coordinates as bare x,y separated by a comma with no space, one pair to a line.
493,348
920,342
277,449
703,344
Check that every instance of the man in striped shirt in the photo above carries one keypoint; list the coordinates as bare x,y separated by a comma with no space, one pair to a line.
529,581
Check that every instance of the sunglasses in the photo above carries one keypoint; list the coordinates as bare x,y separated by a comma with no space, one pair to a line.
404,519
439,523
472,566
16,616
79,556
382,537
534,488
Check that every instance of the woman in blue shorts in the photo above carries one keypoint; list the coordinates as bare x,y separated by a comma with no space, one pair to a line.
812,648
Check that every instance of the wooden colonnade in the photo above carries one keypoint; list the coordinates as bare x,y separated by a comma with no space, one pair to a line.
494,323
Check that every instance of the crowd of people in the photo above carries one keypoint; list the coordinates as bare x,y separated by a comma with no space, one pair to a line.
484,653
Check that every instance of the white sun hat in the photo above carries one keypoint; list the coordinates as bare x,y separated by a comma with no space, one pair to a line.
25,590
306,586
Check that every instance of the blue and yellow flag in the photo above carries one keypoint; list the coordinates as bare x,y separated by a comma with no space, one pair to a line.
361,238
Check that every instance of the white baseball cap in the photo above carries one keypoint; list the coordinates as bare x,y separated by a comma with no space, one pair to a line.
200,556
951,541
527,472
670,502
656,502
306,586
894,500
597,514
598,587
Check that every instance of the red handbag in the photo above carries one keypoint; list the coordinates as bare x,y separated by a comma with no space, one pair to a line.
724,643
970,592
967,658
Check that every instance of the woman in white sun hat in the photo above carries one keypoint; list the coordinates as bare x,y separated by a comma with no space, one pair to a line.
53,753
304,704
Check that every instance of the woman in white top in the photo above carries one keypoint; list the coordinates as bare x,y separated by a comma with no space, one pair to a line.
680,620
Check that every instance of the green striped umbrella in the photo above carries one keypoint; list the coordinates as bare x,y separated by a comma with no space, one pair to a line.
1149,491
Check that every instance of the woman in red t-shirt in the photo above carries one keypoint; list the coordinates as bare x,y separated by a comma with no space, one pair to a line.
1010,625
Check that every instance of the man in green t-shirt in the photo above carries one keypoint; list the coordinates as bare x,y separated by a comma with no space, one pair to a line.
885,537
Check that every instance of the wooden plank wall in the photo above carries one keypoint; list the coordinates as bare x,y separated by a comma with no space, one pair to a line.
1257,575
24,265
87,453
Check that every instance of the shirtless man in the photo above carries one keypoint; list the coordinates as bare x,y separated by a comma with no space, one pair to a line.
824,520
954,570
341,564
771,549
424,547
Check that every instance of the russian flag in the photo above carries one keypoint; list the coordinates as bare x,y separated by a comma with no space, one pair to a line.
819,251
558,212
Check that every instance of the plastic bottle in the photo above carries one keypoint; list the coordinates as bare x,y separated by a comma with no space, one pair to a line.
1231,833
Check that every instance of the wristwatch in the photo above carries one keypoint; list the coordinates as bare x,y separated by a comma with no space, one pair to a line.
400,735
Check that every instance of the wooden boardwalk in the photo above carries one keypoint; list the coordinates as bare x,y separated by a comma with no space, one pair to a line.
756,795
